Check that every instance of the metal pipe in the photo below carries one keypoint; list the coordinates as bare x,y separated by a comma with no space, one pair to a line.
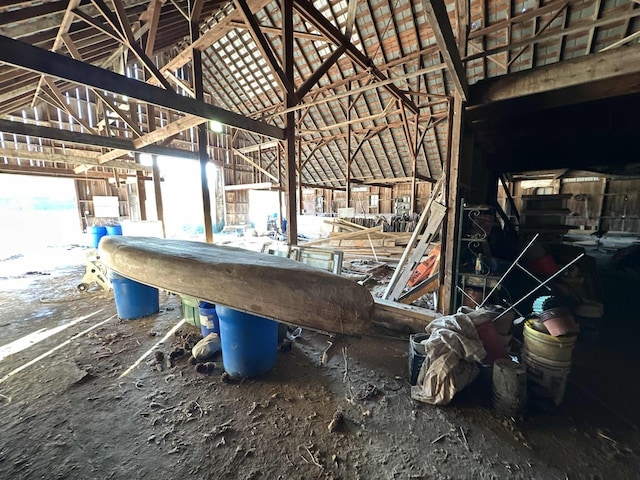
535,237
542,284
467,295
531,275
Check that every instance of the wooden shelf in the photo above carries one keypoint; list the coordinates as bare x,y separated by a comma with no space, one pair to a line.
545,214
560,211
558,196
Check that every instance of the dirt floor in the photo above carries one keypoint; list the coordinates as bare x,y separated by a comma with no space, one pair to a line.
67,413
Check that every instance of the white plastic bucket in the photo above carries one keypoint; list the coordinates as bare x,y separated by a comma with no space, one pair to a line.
549,374
554,349
417,355
509,388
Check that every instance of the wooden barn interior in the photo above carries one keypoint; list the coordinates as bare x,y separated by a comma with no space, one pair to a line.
441,164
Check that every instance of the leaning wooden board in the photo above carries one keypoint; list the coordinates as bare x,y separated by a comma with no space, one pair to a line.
266,285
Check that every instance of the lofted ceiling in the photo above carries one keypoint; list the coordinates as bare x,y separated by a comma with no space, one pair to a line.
373,80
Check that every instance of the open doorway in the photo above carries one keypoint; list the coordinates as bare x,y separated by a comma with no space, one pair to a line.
37,212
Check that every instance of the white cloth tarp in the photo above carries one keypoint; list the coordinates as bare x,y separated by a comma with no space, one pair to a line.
452,350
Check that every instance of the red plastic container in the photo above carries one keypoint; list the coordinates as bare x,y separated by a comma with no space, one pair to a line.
492,342
544,266
558,321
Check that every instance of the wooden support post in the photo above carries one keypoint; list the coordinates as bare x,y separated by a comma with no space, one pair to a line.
605,190
142,193
348,167
279,155
451,220
203,136
415,151
413,188
157,189
206,197
76,184
300,205
290,125
512,203
218,195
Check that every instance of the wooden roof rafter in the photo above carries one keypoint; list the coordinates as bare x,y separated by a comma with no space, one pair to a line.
212,30
120,23
581,26
263,45
111,104
32,58
436,13
323,25
394,35
66,158
212,56
323,71
380,100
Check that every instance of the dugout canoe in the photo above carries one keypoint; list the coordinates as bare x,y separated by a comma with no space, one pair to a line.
266,285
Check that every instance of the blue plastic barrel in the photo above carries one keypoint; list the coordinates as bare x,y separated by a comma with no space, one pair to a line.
209,322
133,299
249,343
114,229
96,234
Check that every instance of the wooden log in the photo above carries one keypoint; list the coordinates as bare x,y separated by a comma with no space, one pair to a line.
402,318
265,285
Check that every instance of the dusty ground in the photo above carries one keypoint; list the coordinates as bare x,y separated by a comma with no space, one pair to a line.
70,416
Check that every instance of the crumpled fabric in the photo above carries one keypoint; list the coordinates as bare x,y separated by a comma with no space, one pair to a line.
452,350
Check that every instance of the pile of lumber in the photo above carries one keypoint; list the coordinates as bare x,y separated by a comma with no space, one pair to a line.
356,240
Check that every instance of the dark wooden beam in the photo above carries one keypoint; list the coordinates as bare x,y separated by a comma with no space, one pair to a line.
347,171
32,58
317,75
450,223
321,185
286,8
196,10
436,13
614,66
311,14
202,135
372,133
87,139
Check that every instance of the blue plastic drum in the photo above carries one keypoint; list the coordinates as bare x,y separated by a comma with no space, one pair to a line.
209,322
249,343
97,233
114,229
134,299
